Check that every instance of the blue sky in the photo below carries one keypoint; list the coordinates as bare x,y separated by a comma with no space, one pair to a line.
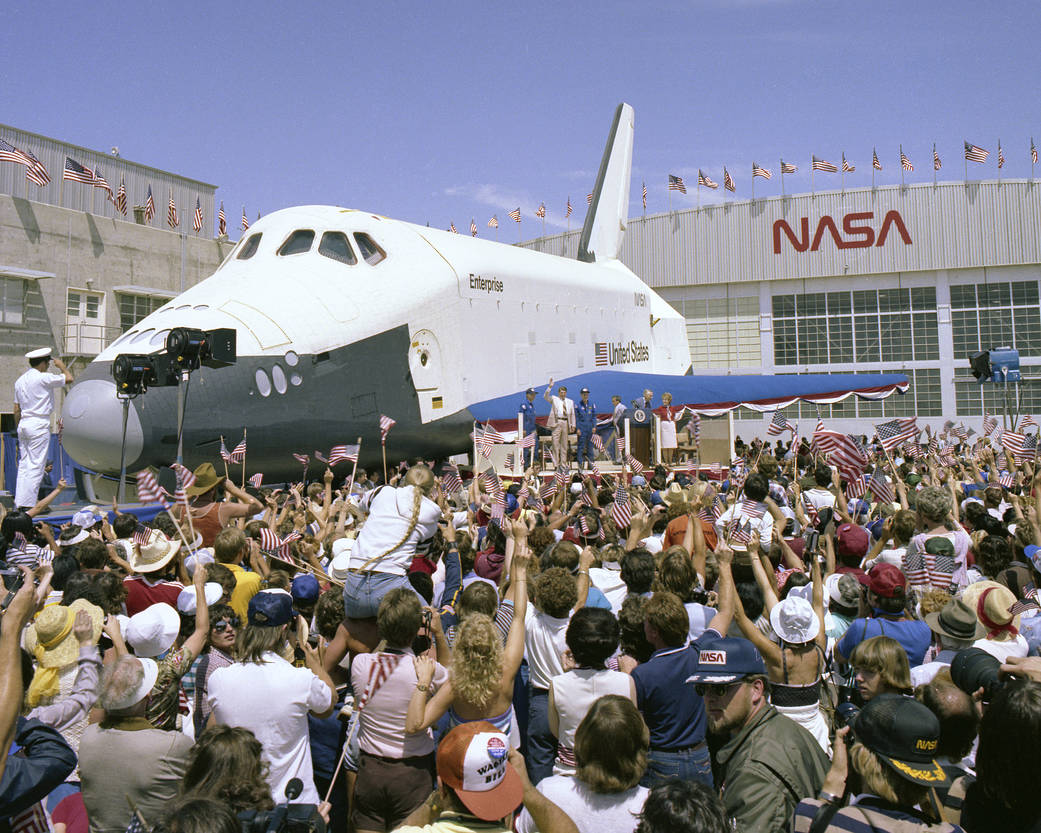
439,113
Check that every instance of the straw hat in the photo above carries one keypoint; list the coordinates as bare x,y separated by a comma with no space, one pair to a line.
206,478
50,638
147,558
990,601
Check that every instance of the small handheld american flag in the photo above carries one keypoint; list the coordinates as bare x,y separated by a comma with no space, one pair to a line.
239,454
386,423
256,480
343,453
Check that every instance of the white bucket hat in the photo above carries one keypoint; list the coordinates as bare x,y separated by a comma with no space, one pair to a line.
794,620
134,697
200,556
152,631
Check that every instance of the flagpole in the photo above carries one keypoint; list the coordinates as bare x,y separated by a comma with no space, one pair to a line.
874,153
354,469
1032,158
999,161
842,179
384,445
934,164
901,166
753,184
782,181
222,457
813,188
243,460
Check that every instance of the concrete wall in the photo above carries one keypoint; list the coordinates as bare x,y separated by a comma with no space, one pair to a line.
82,251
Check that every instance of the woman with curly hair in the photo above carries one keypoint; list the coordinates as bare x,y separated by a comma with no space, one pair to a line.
225,764
480,686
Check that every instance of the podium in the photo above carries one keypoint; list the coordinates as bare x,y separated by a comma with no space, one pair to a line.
641,420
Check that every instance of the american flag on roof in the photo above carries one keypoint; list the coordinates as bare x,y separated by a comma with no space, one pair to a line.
779,424
9,153
645,196
171,212
1033,151
541,211
343,453
222,221
451,228
896,431
874,160
102,183
905,163
788,168
676,184
36,172
386,423
75,172
589,198
758,170
197,217
706,181
149,206
493,222
824,165
515,214
121,196
473,228
239,454
728,183
974,153
245,219
1001,155
937,164
846,166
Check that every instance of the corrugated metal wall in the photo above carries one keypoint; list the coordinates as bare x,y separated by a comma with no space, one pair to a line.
81,197
951,225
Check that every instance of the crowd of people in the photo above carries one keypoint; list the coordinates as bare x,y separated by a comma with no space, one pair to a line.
760,646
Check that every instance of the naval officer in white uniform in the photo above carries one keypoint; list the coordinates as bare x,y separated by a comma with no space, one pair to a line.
33,404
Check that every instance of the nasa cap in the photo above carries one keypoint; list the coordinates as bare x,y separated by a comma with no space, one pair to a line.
727,661
472,760
41,353
903,733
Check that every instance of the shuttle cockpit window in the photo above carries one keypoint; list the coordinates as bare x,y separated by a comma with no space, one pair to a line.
297,243
370,251
335,245
249,248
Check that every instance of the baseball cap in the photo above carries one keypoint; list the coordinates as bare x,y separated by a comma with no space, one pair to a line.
305,588
531,390
270,608
852,541
584,390
639,480
887,581
727,660
472,761
903,733
1033,552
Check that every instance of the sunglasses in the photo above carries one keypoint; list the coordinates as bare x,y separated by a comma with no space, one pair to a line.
715,689
225,624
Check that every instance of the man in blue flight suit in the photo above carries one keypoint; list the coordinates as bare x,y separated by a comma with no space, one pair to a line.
527,410
585,421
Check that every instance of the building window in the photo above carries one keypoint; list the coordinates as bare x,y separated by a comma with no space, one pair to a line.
724,332
865,326
12,301
132,308
975,399
996,315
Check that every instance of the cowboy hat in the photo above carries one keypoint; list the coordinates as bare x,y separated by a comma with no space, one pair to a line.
206,478
147,558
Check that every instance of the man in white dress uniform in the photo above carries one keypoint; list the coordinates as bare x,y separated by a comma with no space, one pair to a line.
33,404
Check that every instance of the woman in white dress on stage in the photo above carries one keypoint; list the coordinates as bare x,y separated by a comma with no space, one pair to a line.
668,430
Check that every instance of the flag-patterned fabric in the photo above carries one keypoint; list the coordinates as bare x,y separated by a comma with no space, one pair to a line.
149,206
222,221
9,153
142,534
1012,442
121,196
75,172
36,172
342,453
197,217
486,438
256,480
824,165
1001,155
788,167
245,219
515,214
102,183
493,222
148,489
527,441
171,213
856,487
321,458
1028,422
450,479
905,163
893,433
567,211
989,424
597,443
382,667
879,486
452,228
1033,152
676,184
974,153
706,181
302,459
541,211
728,183
874,160
386,423
937,164
473,228
759,170
239,454
589,198
645,196
778,425
847,167
621,512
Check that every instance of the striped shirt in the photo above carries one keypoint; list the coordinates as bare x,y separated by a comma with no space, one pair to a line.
29,556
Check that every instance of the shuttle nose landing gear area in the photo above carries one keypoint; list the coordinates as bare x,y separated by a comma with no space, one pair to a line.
424,363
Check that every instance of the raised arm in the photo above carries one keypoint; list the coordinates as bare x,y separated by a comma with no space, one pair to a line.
514,652
725,590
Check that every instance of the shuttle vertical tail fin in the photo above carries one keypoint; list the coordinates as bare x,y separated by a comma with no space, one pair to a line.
605,223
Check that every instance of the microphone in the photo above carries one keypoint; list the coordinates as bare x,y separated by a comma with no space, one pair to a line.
278,817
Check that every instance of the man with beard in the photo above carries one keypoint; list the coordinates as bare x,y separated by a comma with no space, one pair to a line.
767,760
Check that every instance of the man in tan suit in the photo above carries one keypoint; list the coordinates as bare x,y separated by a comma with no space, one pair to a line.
561,422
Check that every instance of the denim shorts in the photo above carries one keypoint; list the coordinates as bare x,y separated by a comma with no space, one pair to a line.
362,592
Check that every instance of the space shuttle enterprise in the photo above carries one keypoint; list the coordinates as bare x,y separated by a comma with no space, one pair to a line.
342,315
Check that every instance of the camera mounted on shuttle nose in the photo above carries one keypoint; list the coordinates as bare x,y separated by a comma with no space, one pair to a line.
134,374
189,349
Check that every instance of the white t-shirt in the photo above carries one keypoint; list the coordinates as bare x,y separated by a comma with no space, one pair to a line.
34,392
819,498
390,514
1005,648
608,580
592,812
544,645
272,700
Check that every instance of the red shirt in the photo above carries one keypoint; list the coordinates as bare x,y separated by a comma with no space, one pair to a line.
677,528
141,593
